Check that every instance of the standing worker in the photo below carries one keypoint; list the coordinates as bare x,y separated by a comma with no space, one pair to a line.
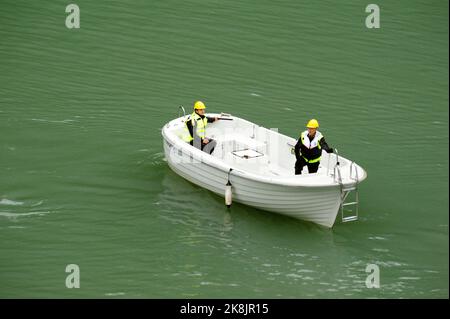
309,148
195,126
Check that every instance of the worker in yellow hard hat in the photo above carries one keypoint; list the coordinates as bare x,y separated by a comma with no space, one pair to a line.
308,149
198,120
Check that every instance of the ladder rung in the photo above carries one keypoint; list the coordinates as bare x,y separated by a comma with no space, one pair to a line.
349,218
349,189
351,203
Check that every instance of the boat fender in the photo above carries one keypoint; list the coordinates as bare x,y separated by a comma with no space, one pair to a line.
228,195
228,192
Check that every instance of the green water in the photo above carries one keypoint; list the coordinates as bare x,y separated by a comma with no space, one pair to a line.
83,178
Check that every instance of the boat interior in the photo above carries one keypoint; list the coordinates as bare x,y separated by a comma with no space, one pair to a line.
253,148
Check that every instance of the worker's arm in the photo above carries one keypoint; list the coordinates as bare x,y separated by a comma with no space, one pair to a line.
325,146
297,149
211,119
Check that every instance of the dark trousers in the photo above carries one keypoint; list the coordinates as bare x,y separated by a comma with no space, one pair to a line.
300,163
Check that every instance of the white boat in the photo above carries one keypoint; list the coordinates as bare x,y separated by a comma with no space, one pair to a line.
259,165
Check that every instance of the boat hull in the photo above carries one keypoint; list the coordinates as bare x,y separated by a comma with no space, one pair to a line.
319,205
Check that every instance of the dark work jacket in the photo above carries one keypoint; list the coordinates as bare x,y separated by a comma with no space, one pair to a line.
311,153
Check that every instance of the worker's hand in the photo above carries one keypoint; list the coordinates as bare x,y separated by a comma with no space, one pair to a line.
205,141
330,150
216,119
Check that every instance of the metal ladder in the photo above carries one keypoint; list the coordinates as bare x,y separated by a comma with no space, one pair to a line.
345,191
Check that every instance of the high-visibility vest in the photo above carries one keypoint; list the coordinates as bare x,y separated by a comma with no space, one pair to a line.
198,124
313,146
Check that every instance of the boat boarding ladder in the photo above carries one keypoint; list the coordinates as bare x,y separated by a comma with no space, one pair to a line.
347,190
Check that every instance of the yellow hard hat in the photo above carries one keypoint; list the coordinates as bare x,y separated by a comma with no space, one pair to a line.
312,124
199,105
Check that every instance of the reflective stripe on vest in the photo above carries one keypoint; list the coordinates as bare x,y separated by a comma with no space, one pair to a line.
311,161
197,123
311,144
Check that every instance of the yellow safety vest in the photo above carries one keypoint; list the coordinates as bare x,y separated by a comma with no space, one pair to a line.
197,122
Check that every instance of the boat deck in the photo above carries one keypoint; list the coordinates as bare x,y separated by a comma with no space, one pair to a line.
251,155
